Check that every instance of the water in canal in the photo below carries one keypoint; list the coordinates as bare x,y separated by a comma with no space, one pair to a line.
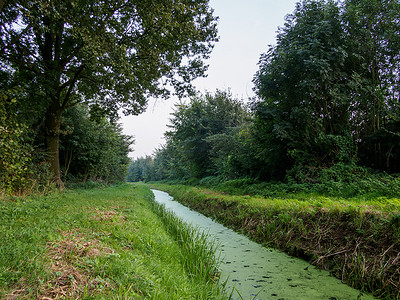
263,273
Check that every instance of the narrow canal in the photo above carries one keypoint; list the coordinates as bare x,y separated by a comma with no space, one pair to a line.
263,273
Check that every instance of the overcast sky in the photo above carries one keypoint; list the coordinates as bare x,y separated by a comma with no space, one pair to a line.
245,28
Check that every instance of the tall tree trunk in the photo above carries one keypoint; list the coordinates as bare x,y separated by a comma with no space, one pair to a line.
53,123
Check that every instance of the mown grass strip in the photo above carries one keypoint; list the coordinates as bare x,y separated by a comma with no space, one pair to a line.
357,239
93,244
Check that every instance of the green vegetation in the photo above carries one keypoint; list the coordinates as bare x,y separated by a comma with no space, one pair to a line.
104,55
14,152
326,98
92,149
326,109
198,250
102,243
311,163
357,239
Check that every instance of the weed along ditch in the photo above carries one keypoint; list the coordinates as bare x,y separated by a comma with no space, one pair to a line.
252,271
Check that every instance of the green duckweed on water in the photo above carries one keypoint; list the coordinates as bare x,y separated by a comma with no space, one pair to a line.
256,272
356,239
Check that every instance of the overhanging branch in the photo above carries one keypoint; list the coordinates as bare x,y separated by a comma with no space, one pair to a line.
71,86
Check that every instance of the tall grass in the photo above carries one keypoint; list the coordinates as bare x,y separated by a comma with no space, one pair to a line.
198,251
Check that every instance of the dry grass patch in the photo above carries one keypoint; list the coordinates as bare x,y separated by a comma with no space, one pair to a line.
75,244
69,280
19,292
70,273
107,215
68,263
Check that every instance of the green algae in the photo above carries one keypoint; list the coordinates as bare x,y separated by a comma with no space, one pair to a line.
255,272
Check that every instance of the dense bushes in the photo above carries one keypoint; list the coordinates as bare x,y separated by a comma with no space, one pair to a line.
90,149
365,185
22,165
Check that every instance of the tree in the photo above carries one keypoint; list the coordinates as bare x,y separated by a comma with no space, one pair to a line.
373,32
92,149
108,55
170,162
302,82
330,86
141,169
192,123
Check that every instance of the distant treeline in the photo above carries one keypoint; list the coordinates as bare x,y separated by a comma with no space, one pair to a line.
327,105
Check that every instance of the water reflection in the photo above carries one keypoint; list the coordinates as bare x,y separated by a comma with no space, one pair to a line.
262,273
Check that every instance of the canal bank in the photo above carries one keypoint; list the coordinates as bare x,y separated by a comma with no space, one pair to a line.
357,246
256,272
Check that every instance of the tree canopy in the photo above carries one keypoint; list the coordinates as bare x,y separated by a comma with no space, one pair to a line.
108,55
329,86
327,104
206,137
193,124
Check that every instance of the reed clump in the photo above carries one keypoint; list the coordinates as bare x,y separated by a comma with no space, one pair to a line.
199,253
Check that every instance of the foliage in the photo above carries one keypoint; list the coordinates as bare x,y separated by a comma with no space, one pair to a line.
203,133
302,82
338,181
326,98
141,169
198,120
232,152
107,55
92,149
23,167
373,37
15,153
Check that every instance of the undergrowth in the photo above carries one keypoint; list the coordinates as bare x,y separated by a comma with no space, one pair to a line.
332,182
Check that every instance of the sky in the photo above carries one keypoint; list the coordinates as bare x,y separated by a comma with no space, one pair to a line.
246,28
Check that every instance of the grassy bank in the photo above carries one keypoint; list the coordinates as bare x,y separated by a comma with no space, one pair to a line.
100,243
358,239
